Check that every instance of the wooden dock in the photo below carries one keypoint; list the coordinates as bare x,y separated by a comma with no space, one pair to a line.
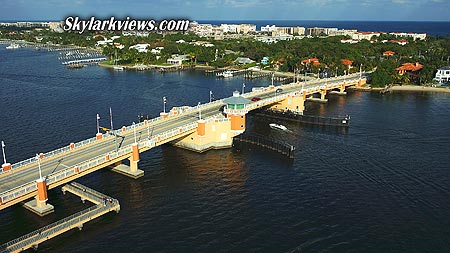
103,204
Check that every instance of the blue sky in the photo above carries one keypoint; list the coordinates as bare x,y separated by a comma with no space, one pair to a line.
402,10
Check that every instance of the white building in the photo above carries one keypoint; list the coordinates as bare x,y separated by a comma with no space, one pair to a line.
443,75
141,48
178,59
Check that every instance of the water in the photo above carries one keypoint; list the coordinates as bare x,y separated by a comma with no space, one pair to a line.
429,27
381,186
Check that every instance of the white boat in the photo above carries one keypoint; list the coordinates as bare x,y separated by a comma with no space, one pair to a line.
13,46
276,126
225,74
118,68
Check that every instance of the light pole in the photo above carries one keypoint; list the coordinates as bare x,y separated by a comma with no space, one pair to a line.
199,112
3,150
243,87
360,71
318,73
110,116
336,71
210,96
164,104
98,126
134,130
273,74
39,166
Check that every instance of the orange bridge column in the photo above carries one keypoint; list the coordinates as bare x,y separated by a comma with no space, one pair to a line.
39,204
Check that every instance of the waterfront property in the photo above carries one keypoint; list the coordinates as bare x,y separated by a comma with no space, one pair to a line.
410,69
443,75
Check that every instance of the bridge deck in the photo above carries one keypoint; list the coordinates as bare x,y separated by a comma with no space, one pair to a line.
70,162
32,240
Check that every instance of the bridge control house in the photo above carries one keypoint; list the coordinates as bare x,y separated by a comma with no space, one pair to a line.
216,133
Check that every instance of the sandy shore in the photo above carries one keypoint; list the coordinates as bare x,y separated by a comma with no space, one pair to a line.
419,88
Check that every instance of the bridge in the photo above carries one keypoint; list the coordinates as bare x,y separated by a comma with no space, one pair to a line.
203,127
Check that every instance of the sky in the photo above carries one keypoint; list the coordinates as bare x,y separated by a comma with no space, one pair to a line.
367,10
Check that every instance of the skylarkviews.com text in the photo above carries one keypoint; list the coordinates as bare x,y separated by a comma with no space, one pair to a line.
79,25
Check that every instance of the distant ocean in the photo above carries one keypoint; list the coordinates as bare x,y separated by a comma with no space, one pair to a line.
428,27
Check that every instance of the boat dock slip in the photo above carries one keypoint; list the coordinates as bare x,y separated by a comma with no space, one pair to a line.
103,204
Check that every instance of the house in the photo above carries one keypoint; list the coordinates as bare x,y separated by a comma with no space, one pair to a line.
141,48
347,62
411,69
314,61
388,53
178,59
265,60
244,60
443,75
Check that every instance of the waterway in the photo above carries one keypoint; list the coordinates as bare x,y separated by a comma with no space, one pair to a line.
381,186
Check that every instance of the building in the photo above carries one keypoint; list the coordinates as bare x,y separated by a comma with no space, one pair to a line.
244,60
178,59
443,75
388,53
314,61
246,28
141,48
365,35
410,69
321,31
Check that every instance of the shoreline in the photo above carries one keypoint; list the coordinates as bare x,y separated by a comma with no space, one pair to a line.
405,88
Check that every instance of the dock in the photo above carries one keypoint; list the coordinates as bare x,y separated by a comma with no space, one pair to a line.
103,204
342,121
265,142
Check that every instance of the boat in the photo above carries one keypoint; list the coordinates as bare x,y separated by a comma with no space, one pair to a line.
225,74
13,46
118,68
276,126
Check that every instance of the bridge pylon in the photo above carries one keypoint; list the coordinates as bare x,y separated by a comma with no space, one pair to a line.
39,205
293,102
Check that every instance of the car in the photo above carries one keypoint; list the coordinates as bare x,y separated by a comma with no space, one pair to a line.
278,90
256,99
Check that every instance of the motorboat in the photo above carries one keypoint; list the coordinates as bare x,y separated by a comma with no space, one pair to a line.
225,74
13,46
118,68
276,126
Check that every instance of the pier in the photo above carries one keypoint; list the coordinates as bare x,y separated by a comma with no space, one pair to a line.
262,141
103,204
343,121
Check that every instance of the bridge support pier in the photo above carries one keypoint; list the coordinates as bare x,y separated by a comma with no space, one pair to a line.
341,91
39,205
292,103
133,170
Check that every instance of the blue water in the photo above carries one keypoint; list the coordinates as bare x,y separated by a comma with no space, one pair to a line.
431,28
381,186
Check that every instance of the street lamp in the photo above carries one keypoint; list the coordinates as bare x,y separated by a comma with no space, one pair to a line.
134,129
318,73
39,166
110,116
360,71
243,86
3,150
336,71
199,112
98,126
164,104
210,96
273,74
